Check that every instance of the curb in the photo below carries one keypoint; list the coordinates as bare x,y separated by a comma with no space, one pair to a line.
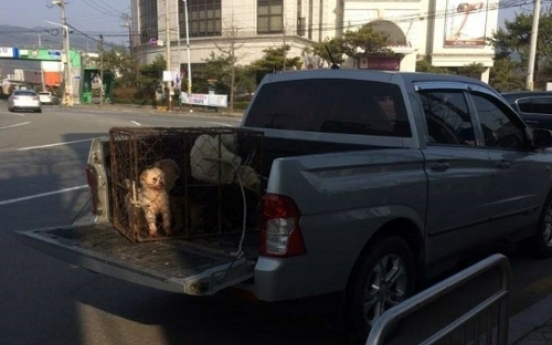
149,110
529,319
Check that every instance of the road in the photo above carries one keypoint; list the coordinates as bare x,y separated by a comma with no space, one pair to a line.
46,301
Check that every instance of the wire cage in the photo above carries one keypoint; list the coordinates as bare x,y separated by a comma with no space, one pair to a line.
211,181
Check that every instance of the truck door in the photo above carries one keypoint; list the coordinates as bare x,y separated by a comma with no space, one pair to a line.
519,175
458,171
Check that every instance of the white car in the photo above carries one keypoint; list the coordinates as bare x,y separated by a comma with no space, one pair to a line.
24,100
46,97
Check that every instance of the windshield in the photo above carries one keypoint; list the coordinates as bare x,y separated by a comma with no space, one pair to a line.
24,93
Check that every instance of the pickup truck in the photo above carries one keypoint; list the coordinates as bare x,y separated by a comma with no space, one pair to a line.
374,183
534,107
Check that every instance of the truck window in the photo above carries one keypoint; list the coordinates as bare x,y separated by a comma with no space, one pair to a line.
498,128
331,106
447,118
538,105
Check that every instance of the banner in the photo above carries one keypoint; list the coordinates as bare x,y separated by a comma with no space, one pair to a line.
207,100
466,23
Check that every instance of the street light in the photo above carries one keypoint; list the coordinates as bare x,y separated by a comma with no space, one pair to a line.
188,48
68,99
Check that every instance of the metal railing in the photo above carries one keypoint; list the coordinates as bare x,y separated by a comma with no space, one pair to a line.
470,307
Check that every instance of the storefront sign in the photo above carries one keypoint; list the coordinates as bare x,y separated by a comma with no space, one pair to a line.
47,55
391,63
384,64
6,52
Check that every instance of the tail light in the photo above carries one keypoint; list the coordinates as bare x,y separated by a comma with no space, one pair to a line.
15,98
92,180
280,234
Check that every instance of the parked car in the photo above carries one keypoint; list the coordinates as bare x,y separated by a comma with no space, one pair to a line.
24,100
46,97
372,183
535,107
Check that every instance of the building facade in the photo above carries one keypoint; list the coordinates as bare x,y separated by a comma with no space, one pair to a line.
451,33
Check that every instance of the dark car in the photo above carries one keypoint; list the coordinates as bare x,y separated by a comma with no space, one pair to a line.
535,107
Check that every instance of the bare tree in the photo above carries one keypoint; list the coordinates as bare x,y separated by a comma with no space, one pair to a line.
231,38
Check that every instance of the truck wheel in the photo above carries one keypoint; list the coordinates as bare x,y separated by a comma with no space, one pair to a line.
383,279
540,245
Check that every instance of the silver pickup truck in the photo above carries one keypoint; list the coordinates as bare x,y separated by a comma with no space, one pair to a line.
375,182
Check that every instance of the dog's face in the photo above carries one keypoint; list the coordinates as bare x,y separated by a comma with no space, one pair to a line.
153,178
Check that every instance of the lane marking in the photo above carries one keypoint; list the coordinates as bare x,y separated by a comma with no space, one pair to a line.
16,114
52,145
136,123
25,198
221,124
16,125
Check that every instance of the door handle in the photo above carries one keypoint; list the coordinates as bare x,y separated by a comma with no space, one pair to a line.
439,166
502,164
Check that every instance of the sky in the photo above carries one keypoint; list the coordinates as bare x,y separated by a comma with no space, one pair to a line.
104,16
90,16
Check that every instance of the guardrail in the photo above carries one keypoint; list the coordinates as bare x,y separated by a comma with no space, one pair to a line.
470,307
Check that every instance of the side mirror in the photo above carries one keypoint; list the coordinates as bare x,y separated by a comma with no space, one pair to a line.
542,138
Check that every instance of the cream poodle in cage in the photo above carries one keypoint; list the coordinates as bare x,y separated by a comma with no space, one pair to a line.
171,171
154,199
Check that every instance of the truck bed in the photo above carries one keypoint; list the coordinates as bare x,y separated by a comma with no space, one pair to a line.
200,266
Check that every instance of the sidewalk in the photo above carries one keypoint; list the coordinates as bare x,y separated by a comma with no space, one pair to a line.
176,110
532,326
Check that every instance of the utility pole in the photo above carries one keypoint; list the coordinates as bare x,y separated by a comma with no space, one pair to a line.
101,70
168,51
67,74
176,3
533,47
127,24
188,48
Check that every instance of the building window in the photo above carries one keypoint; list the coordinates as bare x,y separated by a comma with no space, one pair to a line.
205,18
270,16
148,20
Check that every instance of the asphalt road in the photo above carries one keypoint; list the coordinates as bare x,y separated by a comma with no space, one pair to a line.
46,301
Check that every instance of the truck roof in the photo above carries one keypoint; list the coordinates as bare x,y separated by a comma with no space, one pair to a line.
370,75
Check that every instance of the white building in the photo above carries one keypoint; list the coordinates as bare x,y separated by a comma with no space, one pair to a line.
452,33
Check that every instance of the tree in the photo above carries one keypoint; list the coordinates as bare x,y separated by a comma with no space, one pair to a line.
473,70
426,66
273,61
121,63
230,41
320,49
513,41
216,73
149,77
505,75
364,42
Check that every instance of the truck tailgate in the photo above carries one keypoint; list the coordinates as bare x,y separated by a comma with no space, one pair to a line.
195,267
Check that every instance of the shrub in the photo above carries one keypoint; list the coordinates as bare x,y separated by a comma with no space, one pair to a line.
240,105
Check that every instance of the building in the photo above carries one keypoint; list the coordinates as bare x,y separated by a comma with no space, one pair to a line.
452,33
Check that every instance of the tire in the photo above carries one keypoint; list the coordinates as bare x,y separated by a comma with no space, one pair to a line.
540,245
392,256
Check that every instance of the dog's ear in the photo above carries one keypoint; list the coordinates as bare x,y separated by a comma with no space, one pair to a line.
175,167
143,176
